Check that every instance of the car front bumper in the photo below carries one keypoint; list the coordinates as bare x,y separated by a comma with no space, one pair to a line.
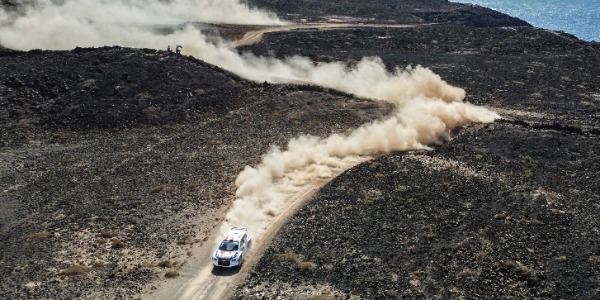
225,263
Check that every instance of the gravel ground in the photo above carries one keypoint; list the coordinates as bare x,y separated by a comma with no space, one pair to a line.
506,210
116,163
118,173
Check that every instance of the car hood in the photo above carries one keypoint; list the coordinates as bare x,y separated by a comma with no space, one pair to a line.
226,254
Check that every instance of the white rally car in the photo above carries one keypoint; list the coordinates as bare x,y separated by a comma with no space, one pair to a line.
233,249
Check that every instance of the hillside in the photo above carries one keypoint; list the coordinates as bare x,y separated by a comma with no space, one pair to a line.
124,170
117,164
505,210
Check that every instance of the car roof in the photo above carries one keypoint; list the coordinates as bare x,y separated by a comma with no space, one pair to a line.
235,234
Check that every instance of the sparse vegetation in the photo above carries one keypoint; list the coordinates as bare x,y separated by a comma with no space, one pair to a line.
185,241
294,258
469,273
167,188
151,111
89,84
288,257
39,236
391,293
523,269
371,196
323,297
306,266
143,96
27,123
171,274
165,264
106,234
121,152
76,270
117,244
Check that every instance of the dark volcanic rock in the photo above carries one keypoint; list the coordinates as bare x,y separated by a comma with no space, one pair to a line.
114,160
501,212
397,11
506,210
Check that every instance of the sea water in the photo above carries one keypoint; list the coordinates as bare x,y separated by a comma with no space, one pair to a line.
578,17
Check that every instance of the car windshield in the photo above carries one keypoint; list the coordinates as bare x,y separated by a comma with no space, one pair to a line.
229,246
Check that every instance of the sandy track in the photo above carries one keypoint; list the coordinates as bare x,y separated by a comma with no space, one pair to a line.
200,280
219,284
253,37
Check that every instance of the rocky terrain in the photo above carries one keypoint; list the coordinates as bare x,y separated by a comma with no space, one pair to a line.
507,210
117,163
117,172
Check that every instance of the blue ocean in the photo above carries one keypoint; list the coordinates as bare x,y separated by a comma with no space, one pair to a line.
578,17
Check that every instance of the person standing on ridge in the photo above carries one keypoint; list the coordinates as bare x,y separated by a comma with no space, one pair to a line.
169,48
178,49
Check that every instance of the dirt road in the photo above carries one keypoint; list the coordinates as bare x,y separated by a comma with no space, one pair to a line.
198,278
253,37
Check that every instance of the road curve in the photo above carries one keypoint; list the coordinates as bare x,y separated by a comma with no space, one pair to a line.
198,278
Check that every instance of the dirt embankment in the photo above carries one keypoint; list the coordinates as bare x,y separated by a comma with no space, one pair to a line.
116,164
504,210
113,175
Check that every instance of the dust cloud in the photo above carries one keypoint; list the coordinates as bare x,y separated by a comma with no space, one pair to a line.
427,107
66,24
427,110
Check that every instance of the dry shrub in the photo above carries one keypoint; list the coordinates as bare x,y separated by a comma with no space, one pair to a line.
117,244
523,269
171,274
595,258
270,213
190,186
60,134
469,273
143,96
165,264
371,196
213,142
162,188
391,294
288,256
106,234
322,297
27,123
88,83
185,240
151,111
39,236
306,266
75,270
